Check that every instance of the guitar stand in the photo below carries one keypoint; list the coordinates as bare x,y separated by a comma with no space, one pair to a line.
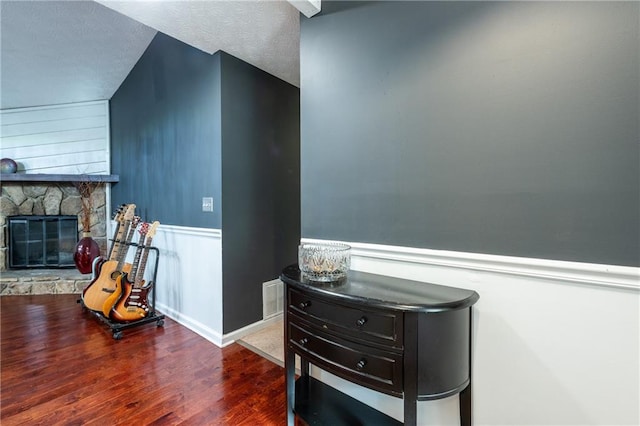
152,316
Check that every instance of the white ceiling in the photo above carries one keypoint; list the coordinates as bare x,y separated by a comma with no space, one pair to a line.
54,52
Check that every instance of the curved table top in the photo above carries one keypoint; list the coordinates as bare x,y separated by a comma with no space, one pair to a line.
386,292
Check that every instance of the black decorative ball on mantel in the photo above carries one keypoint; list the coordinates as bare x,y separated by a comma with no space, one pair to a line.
7,165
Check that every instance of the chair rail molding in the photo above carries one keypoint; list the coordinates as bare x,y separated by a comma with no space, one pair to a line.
610,276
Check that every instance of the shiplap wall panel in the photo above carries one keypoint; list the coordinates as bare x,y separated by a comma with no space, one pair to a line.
87,169
76,161
50,126
59,148
53,138
52,112
66,139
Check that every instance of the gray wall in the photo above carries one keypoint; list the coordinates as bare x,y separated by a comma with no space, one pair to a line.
165,135
260,185
506,128
186,124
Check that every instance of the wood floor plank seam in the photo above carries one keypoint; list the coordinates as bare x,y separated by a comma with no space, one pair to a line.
59,365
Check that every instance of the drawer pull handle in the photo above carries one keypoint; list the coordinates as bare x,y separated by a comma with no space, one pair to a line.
303,341
360,365
304,305
361,321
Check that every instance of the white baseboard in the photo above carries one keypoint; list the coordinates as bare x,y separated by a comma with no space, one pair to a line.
249,329
212,335
193,325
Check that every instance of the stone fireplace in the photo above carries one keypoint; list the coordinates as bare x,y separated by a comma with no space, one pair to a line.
42,241
49,198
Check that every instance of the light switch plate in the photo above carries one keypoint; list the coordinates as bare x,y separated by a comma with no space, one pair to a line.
207,204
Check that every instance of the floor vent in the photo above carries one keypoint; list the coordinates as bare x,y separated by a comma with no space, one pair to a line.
272,298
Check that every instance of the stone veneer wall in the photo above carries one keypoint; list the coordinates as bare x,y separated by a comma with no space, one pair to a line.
50,198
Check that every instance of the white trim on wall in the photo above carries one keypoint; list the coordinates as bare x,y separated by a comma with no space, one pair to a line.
198,232
189,322
612,276
189,279
238,334
212,335
558,332
190,282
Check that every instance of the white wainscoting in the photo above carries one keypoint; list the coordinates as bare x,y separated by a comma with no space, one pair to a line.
57,139
555,343
189,287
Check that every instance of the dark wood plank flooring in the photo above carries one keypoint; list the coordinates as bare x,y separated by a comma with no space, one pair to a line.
61,365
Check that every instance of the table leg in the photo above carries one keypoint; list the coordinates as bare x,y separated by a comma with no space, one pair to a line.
290,379
410,369
410,410
465,406
465,395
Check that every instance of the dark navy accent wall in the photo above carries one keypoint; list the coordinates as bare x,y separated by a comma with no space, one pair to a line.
165,135
506,128
260,185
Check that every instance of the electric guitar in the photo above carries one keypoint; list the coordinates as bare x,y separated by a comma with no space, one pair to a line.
122,266
103,286
133,304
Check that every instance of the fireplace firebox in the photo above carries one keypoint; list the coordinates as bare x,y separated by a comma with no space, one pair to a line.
42,241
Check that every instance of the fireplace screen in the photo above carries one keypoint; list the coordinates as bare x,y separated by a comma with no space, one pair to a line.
42,241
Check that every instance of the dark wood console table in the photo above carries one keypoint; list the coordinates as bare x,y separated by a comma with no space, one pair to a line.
408,339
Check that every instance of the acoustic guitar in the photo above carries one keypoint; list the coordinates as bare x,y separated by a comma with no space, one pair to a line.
119,218
103,288
133,304
119,231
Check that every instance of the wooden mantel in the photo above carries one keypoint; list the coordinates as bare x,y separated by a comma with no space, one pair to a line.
42,177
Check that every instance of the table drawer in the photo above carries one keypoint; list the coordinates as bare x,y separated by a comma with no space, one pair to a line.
369,367
382,327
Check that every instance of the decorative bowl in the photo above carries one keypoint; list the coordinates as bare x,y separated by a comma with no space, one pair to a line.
324,262
7,165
